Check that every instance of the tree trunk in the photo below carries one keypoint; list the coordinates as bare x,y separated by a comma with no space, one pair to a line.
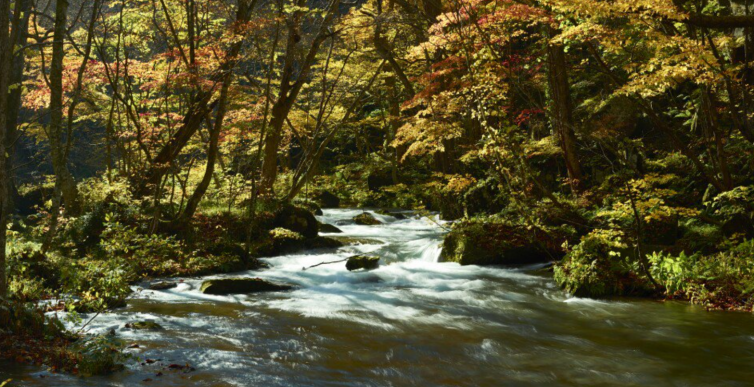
212,155
63,176
271,146
562,111
6,51
290,91
202,106
18,38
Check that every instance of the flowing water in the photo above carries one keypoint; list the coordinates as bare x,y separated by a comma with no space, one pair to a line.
415,322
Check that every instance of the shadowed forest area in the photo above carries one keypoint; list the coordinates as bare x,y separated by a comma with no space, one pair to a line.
603,149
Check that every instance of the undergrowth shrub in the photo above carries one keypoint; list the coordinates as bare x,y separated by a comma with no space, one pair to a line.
723,281
599,266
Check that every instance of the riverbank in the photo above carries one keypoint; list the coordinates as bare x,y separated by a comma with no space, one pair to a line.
435,323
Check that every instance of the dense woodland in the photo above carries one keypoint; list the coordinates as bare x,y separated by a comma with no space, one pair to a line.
164,138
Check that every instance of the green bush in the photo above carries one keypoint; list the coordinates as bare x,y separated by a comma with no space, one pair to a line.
722,281
31,274
599,266
99,355
99,284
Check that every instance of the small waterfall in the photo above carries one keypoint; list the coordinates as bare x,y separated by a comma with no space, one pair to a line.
432,252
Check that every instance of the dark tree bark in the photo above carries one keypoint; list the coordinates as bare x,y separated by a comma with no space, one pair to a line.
203,104
562,110
212,155
6,57
289,89
64,181
18,38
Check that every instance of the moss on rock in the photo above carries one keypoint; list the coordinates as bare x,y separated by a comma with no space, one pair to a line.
488,243
329,228
296,219
366,219
225,286
364,262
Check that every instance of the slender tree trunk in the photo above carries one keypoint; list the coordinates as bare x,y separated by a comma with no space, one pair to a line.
63,176
18,38
202,106
310,164
290,91
212,155
562,110
713,123
271,146
6,52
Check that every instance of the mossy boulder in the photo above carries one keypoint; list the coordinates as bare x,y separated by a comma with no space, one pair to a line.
487,243
281,241
366,219
144,326
353,241
226,286
163,285
323,243
296,219
329,228
365,262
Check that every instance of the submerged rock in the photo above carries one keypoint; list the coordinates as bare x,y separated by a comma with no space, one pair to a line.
365,262
162,285
353,241
225,286
323,243
329,228
144,326
477,243
366,219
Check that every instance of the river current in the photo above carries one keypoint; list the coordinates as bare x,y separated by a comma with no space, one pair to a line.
413,322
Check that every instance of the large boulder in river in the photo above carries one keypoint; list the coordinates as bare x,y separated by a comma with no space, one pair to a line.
366,219
226,286
282,241
296,219
327,199
480,243
163,285
365,262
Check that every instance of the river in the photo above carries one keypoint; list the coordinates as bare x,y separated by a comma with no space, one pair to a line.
414,322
